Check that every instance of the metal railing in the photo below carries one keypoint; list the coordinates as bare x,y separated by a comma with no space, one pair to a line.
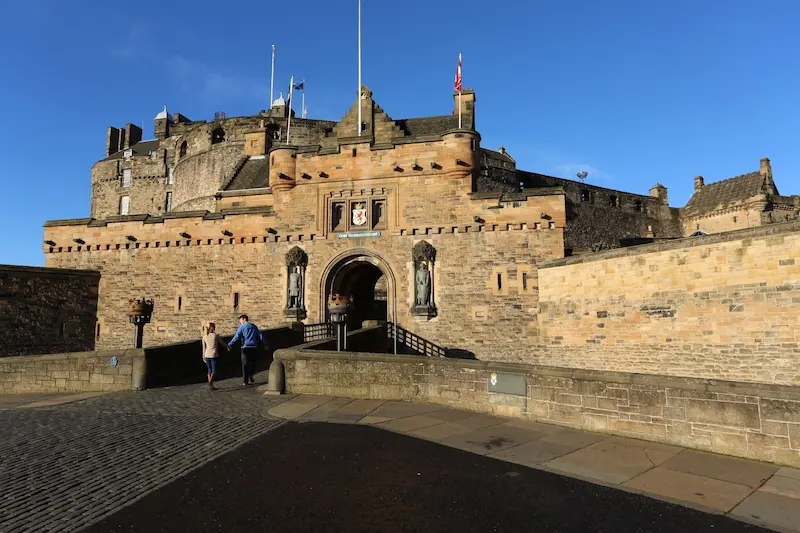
412,344
316,332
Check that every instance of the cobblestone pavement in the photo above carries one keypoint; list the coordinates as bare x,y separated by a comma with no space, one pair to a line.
65,467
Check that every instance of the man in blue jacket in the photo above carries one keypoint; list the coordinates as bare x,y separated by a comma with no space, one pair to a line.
251,340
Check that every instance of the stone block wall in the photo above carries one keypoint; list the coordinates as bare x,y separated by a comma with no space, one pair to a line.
147,190
71,372
45,310
208,269
721,307
742,419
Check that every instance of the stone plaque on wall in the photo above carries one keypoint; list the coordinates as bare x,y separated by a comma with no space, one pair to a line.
508,383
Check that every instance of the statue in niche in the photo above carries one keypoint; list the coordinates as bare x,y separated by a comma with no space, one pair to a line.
424,257
296,263
294,289
423,283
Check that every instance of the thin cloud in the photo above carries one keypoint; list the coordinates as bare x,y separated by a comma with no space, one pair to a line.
204,81
213,84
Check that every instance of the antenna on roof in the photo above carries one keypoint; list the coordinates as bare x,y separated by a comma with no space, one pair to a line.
582,175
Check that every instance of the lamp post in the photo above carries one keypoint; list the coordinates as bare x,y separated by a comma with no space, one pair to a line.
139,313
338,306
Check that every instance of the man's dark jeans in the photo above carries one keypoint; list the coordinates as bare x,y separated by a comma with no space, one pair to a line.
248,362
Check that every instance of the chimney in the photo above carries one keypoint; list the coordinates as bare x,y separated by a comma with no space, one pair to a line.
698,183
113,140
766,167
659,191
133,135
467,108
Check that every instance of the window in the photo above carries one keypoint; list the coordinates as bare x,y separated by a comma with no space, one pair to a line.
182,151
637,206
218,136
97,332
235,301
62,330
124,205
613,201
499,282
180,303
168,202
585,196
126,177
524,281
170,176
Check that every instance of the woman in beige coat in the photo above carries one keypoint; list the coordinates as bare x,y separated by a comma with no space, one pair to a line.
212,346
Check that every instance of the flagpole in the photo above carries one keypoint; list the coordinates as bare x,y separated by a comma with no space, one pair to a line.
359,68
272,80
303,102
289,124
459,91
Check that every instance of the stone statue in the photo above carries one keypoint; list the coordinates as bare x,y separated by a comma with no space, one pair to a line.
294,289
423,284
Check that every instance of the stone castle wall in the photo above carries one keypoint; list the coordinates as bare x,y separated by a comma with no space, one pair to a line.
72,372
198,174
44,310
719,307
147,191
733,418
193,283
604,217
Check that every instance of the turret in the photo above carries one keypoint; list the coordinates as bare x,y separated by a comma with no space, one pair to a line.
699,182
459,157
282,167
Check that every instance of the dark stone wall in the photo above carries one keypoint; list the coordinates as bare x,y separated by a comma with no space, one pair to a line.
600,218
47,310
497,173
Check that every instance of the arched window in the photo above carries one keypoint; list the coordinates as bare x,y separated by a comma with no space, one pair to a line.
218,136
182,151
613,201
585,196
637,206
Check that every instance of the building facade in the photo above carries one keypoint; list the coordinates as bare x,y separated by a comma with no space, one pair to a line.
270,214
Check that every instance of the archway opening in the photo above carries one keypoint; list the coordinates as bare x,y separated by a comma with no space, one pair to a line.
360,278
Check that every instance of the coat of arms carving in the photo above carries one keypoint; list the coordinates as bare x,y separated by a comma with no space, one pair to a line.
359,214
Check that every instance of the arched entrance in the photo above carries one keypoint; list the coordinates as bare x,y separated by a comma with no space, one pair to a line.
366,277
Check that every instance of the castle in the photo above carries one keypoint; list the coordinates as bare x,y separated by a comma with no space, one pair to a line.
270,214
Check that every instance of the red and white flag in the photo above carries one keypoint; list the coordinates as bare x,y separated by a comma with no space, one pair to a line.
458,74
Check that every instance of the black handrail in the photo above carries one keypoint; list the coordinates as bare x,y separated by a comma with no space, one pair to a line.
316,332
414,343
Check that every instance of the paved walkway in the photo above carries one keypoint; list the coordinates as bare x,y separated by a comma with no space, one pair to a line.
67,461
755,492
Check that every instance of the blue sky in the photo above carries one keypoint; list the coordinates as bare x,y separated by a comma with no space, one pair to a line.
632,91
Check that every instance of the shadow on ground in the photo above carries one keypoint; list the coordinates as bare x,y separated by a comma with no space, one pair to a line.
327,477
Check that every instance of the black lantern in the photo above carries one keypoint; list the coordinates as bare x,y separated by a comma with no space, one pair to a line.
139,313
338,306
